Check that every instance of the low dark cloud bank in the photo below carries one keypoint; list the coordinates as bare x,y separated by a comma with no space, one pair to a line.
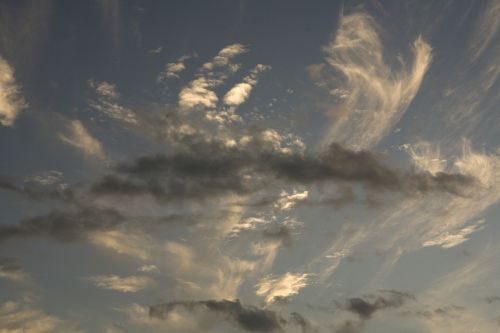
213,169
249,318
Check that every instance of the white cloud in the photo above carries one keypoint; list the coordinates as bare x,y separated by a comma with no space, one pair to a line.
11,102
172,69
284,286
241,91
78,137
250,223
148,268
449,239
199,92
288,200
132,243
46,178
372,95
104,89
129,284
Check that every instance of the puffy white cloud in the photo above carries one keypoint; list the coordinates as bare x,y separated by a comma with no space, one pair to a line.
372,94
284,286
128,284
11,102
199,92
241,91
172,69
79,137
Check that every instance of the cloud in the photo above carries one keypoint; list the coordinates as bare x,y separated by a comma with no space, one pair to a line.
366,307
208,169
281,287
148,268
287,201
107,102
249,318
172,69
249,223
11,270
128,284
64,225
448,239
487,27
132,243
11,102
199,92
79,137
241,91
373,94
25,316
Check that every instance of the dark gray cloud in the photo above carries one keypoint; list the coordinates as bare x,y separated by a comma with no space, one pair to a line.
9,265
302,322
281,234
249,318
206,169
76,224
492,299
365,307
64,225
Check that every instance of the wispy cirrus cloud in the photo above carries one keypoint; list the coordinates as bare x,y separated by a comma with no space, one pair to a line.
79,137
282,287
372,95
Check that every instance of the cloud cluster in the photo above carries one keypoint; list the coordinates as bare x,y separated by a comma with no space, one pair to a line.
199,92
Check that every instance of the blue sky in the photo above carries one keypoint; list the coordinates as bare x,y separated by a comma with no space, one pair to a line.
249,166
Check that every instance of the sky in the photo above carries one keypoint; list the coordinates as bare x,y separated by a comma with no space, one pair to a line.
249,166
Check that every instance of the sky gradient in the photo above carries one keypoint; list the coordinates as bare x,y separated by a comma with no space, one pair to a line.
249,166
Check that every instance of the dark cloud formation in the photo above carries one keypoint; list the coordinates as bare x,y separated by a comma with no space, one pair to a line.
367,306
212,168
302,322
64,226
204,169
492,299
281,234
9,265
247,317
76,224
